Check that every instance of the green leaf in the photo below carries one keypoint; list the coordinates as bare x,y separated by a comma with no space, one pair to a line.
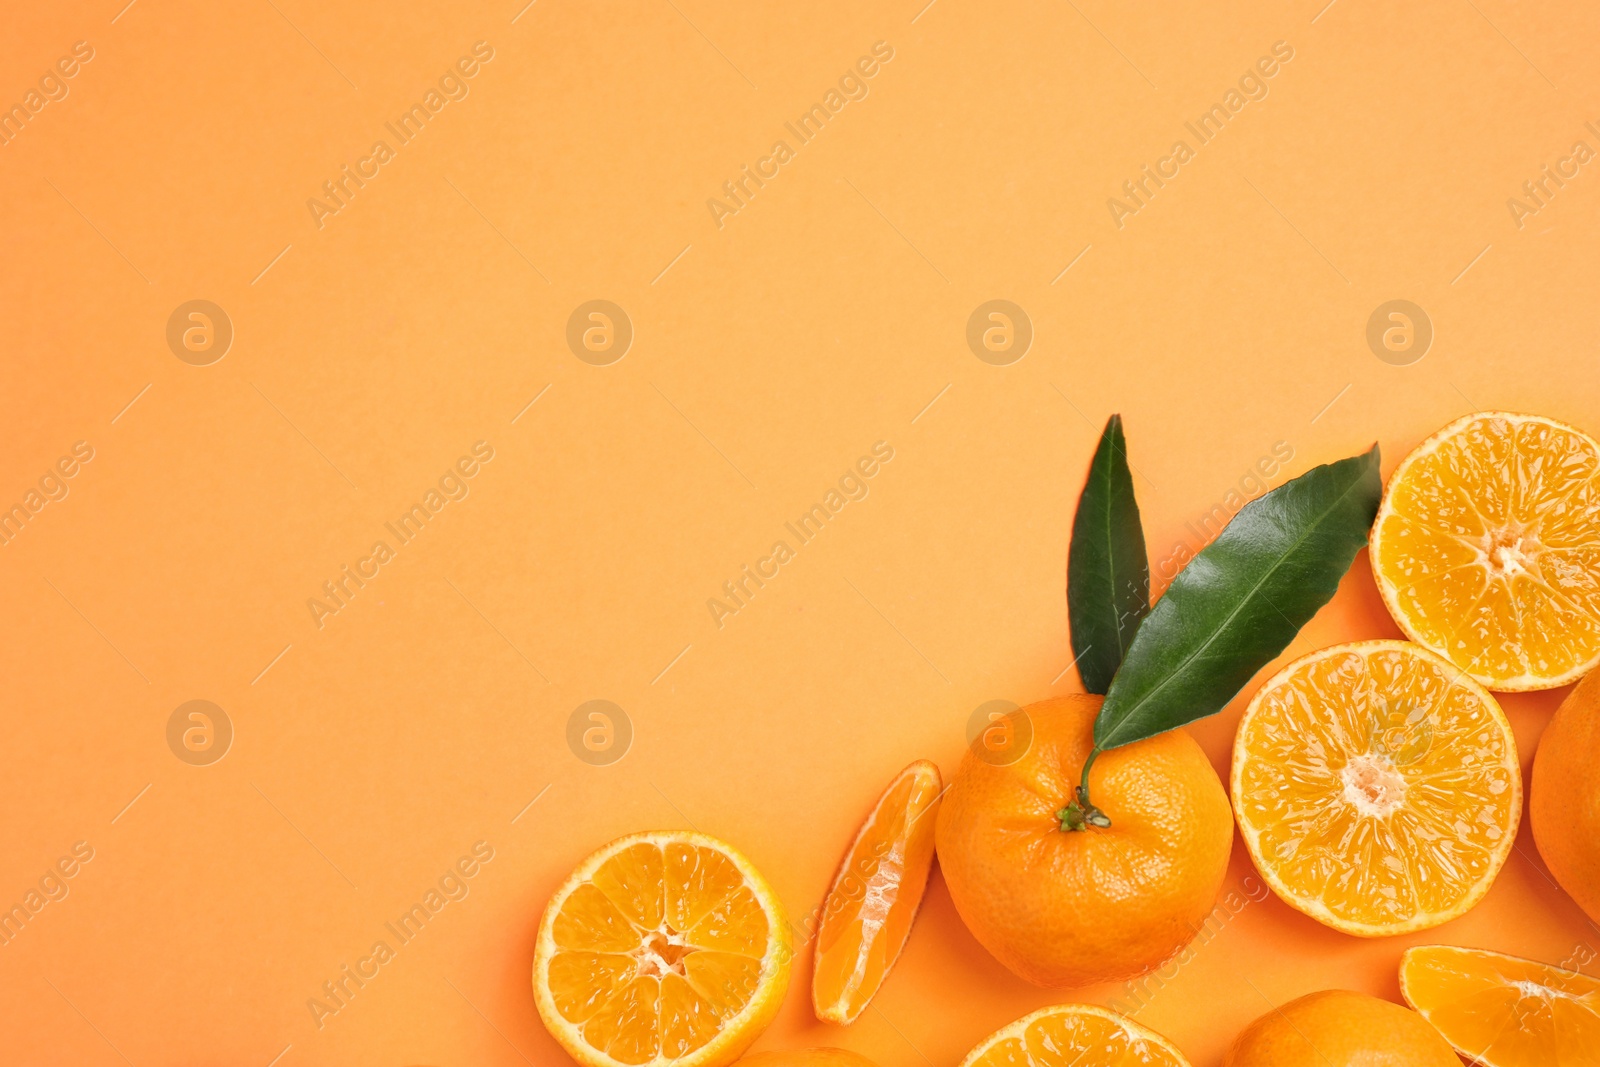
1108,574
1241,600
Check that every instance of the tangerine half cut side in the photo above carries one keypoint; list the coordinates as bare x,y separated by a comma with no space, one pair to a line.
1075,1035
1502,1011
661,948
1377,787
1486,549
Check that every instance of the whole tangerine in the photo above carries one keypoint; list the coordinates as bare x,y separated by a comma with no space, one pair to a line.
1066,902
1564,798
1339,1028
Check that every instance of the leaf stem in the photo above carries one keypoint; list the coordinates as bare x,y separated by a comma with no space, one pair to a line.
1080,814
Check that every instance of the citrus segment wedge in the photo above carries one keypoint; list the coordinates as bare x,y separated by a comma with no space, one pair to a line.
1502,1011
875,895
1487,549
1377,787
1074,1035
661,948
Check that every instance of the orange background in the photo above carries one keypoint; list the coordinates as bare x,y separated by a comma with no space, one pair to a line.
1225,317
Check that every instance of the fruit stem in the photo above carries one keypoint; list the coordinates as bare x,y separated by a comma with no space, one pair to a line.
1080,814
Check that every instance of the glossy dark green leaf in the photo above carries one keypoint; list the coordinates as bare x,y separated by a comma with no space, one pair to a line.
1241,600
1108,573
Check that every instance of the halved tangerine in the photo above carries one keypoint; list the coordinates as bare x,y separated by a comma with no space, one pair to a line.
875,895
1074,1035
1487,549
661,948
1376,787
1502,1011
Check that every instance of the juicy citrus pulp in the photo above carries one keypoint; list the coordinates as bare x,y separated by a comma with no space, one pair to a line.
1377,787
664,947
1074,1035
875,895
1487,549
1502,1011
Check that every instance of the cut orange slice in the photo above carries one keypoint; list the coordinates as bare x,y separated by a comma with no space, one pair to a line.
1501,1011
661,948
1376,787
875,895
1487,549
1074,1035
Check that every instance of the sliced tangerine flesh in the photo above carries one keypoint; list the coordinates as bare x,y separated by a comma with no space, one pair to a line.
1377,787
658,948
1074,1035
875,895
1487,549
1501,1011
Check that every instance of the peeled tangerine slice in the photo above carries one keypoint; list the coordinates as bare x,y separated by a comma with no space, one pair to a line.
1487,549
1377,787
661,948
1501,1011
1074,1035
875,895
